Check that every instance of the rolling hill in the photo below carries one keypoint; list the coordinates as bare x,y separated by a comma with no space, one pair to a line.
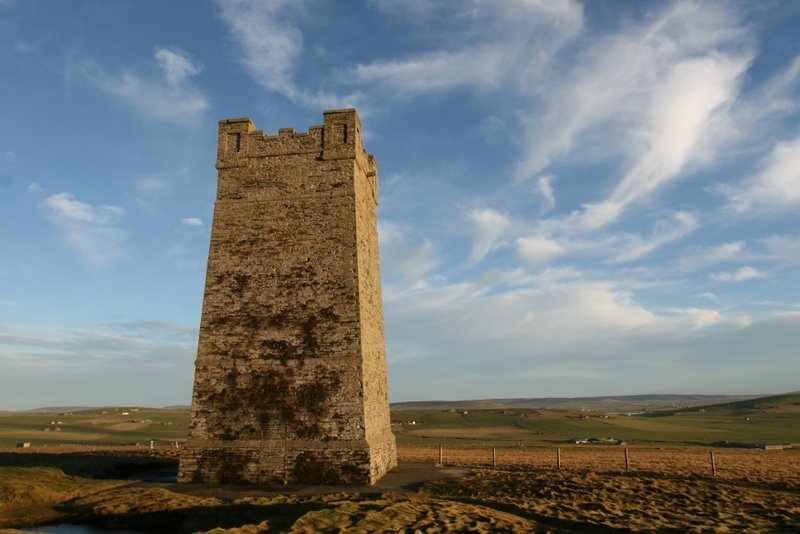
642,419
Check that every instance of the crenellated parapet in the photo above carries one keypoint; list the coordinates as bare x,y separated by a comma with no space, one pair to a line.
240,144
338,138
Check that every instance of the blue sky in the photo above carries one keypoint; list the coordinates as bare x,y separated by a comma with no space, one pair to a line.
576,198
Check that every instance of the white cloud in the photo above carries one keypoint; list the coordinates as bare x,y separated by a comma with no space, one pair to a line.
109,344
649,94
272,46
176,65
406,258
775,188
666,230
745,273
756,120
104,364
91,230
698,318
680,112
437,71
487,45
192,221
615,247
170,98
505,336
698,258
488,226
544,186
535,250
34,187
610,341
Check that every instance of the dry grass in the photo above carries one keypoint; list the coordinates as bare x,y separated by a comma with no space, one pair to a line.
750,465
30,495
583,500
667,489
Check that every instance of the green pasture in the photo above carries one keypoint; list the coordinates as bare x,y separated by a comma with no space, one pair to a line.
773,419
766,420
100,426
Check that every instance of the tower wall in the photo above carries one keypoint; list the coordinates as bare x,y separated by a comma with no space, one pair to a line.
290,381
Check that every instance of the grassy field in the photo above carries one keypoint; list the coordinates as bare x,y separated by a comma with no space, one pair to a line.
766,420
516,488
101,426
756,491
773,419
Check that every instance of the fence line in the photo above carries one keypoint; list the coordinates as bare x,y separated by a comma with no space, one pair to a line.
758,465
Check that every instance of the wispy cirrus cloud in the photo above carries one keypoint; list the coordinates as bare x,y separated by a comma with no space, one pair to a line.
407,258
698,258
488,226
270,39
544,186
774,188
647,95
92,230
113,360
483,45
679,114
665,230
272,44
655,90
169,97
744,273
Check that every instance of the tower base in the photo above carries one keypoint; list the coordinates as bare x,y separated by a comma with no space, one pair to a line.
298,462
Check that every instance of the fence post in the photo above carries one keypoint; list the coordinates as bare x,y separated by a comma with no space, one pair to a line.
713,465
440,455
152,445
494,457
558,457
627,461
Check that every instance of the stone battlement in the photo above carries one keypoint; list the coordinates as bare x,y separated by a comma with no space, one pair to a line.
339,137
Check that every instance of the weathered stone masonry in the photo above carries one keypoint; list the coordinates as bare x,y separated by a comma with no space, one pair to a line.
290,381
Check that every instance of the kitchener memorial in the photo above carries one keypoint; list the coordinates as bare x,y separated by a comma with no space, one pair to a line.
291,382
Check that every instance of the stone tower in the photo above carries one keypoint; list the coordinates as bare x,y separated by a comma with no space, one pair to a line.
290,382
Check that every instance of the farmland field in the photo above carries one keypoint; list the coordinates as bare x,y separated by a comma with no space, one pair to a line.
77,471
766,420
100,426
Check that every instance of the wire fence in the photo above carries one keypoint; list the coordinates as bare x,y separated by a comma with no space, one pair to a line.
761,466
